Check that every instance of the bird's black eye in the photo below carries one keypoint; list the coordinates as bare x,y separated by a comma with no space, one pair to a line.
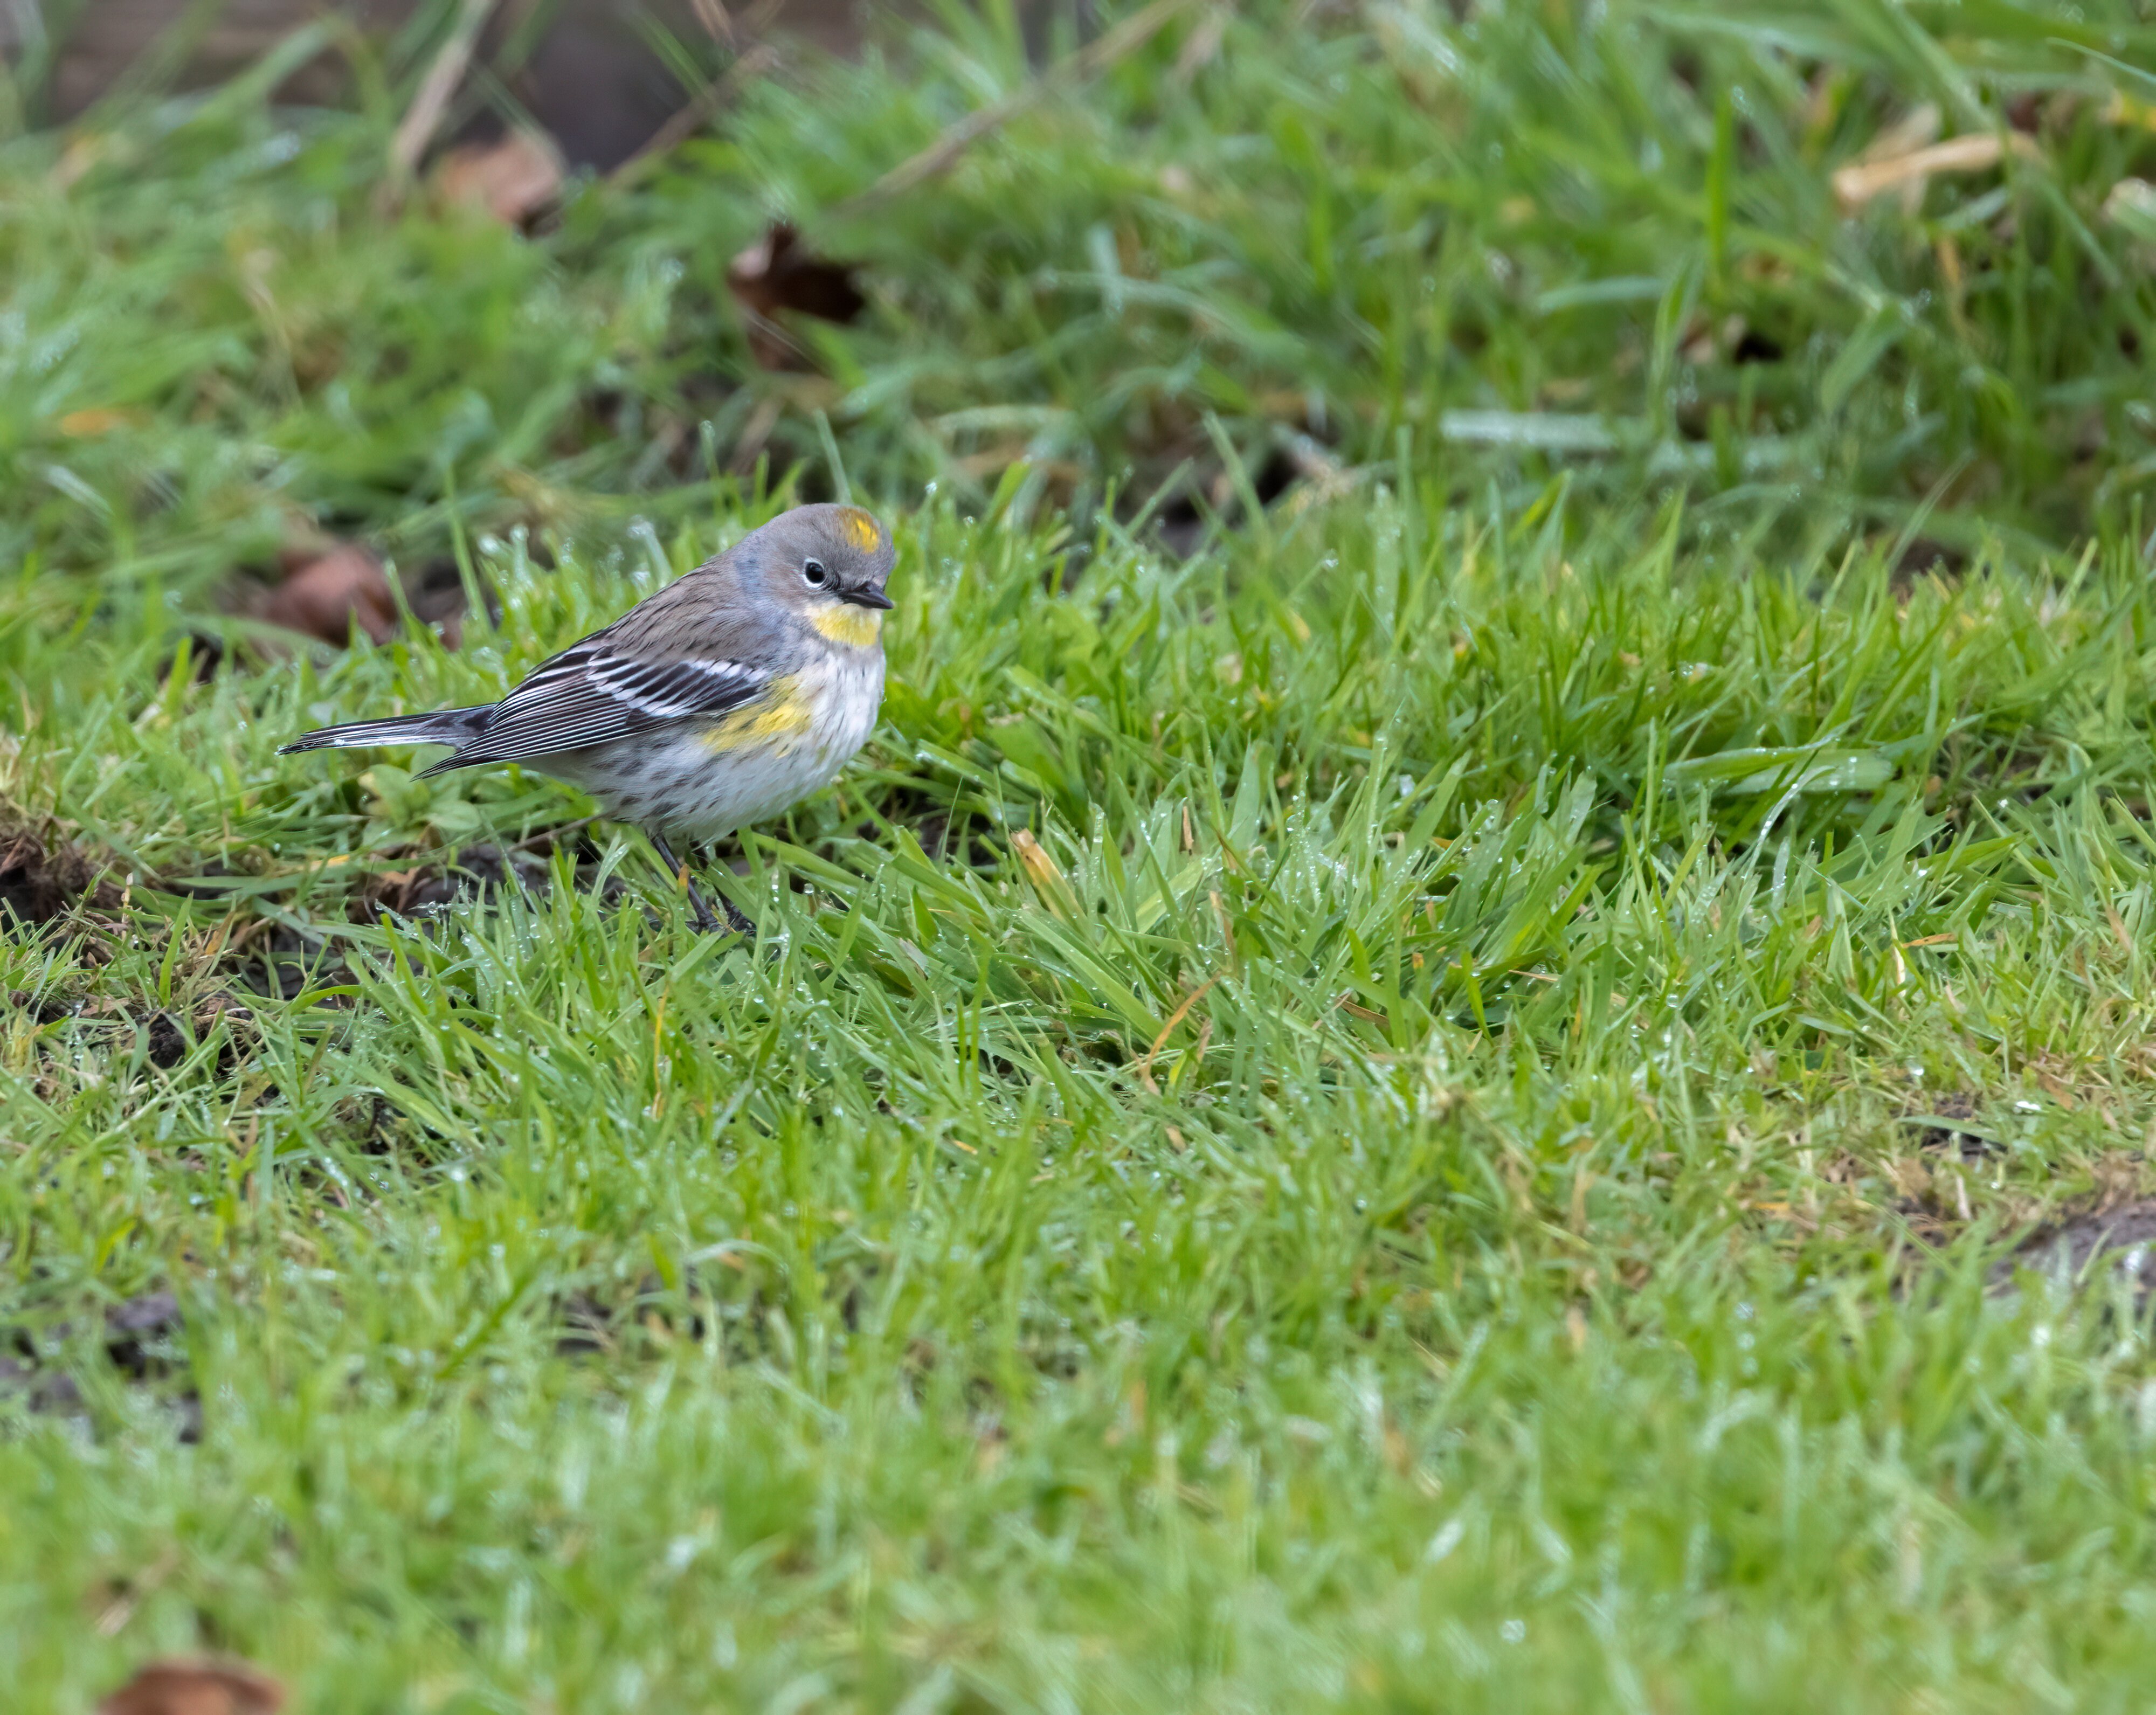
813,575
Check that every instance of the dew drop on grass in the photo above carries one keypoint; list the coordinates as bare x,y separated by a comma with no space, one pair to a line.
1445,1542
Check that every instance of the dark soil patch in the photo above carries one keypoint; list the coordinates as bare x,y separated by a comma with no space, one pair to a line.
206,654
1753,346
481,870
1181,522
285,962
1922,556
168,1043
929,817
166,1037
43,877
142,1339
586,1327
285,958
2118,1240
373,1122
471,871
170,1037
615,1320
1950,1127
45,1008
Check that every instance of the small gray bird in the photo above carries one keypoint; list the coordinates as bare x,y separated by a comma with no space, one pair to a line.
735,692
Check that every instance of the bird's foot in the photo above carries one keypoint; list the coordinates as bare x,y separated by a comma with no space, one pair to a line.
700,911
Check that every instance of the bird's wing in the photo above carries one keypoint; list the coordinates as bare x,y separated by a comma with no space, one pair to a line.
591,694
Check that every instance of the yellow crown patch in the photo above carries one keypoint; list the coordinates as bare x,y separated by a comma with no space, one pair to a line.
861,529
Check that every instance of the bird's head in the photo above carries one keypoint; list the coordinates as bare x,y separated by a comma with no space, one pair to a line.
828,563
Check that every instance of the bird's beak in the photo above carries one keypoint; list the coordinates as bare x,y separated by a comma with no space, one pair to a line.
866,597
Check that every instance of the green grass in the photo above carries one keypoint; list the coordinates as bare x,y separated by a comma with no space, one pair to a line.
1334,1122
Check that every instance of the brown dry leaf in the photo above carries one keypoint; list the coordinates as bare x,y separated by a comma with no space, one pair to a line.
325,597
196,1688
1856,185
517,179
779,273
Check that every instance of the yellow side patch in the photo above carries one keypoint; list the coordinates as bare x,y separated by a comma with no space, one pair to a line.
781,713
842,623
861,529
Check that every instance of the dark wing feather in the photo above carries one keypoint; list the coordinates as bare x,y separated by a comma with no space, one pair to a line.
589,695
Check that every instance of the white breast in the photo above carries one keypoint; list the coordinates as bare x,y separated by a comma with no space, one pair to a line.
851,694
684,787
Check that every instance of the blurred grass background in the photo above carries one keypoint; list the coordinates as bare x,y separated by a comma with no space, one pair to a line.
1510,854
1263,243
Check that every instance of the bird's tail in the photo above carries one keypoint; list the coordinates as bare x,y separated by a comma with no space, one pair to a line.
442,727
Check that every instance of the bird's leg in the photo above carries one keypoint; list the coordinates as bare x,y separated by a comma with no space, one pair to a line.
675,868
737,919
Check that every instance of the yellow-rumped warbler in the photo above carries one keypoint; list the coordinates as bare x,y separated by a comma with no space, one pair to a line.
735,690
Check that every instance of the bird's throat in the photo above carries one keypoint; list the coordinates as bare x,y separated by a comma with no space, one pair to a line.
842,622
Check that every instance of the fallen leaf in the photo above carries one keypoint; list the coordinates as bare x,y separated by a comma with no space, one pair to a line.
516,179
196,1688
327,596
779,273
1856,185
